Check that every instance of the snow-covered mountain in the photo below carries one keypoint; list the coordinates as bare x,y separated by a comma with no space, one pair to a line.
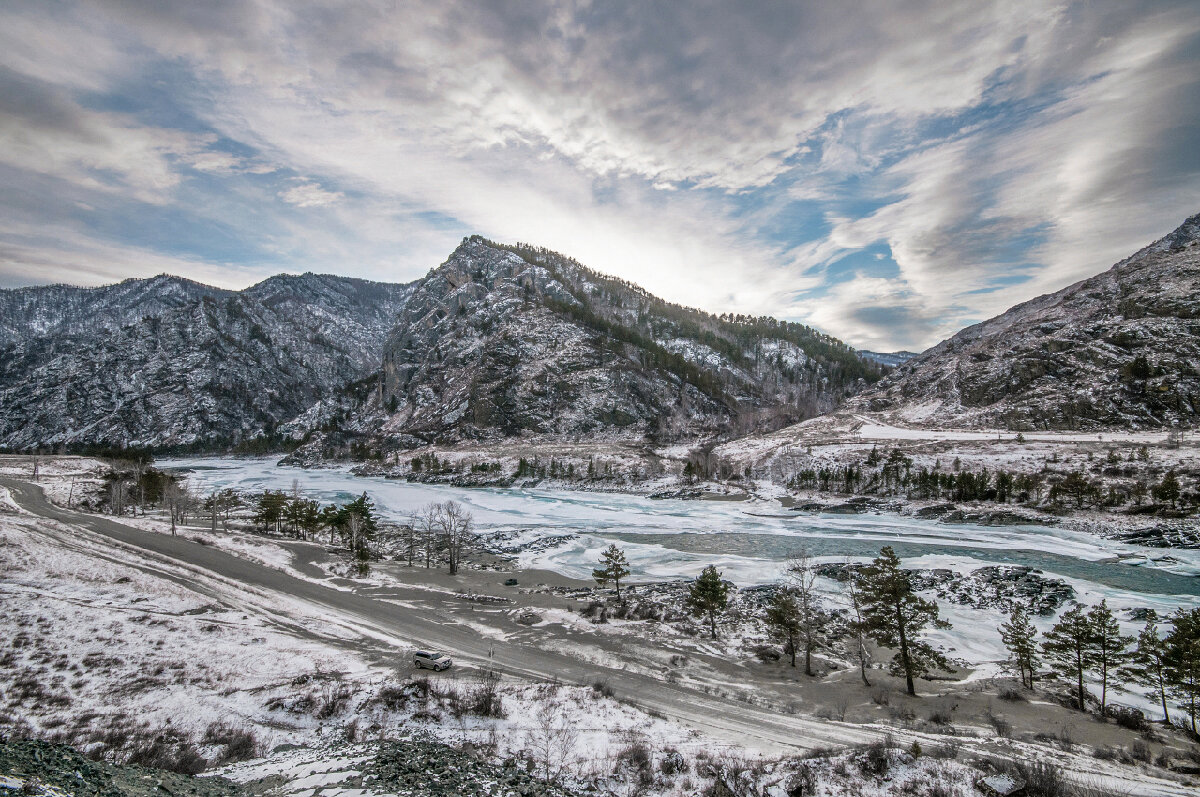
889,358
497,341
166,361
1119,350
510,340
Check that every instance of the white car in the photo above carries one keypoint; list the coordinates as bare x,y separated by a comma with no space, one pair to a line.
434,661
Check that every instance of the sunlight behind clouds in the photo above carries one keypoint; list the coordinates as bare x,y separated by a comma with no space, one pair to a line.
994,150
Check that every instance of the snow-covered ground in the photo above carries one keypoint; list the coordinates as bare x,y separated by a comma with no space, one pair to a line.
113,638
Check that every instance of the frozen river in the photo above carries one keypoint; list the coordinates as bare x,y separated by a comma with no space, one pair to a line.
749,540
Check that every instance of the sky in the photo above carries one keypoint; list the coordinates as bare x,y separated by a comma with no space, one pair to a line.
887,172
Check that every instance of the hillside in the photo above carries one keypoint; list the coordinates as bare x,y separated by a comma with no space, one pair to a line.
1117,351
501,341
168,362
498,341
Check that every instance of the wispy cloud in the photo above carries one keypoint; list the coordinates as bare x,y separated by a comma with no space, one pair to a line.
985,150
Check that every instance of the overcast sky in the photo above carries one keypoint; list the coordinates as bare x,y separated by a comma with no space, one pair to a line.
888,173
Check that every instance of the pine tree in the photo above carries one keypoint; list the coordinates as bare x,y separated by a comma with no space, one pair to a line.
1183,660
895,616
1071,644
614,568
1148,664
709,596
270,510
1167,490
1018,636
783,620
1111,647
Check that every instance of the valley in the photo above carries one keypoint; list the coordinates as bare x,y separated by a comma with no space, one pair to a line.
678,692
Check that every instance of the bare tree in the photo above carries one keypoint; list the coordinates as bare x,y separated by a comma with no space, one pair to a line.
552,740
455,527
139,481
173,496
214,502
856,642
425,525
116,495
802,578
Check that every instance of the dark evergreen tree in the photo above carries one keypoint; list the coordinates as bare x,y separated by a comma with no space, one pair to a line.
613,567
783,621
896,615
1071,644
1018,636
1183,660
1167,490
1148,664
709,597
269,512
1111,650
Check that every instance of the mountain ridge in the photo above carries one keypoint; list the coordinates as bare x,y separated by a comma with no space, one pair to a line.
1114,350
167,362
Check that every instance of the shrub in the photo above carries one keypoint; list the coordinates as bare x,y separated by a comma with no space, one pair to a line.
1012,695
1042,778
1129,718
484,700
333,699
803,782
672,762
875,760
240,743
1002,726
940,716
602,689
167,751
637,759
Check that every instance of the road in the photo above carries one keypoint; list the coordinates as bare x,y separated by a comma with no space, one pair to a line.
381,620
383,630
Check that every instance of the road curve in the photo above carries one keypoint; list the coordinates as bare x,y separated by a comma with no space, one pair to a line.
724,719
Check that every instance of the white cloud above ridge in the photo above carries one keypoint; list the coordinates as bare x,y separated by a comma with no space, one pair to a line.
554,125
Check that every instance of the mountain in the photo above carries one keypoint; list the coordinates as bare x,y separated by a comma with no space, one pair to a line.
1119,350
498,341
515,340
891,359
169,362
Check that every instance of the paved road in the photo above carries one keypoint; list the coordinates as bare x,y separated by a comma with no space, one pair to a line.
733,721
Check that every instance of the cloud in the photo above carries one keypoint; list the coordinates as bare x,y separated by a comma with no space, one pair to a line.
727,155
309,195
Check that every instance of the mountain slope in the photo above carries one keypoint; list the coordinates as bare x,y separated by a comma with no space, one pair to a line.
503,340
1119,350
498,341
166,361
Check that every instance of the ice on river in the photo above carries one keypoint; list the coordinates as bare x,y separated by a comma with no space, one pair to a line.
750,541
